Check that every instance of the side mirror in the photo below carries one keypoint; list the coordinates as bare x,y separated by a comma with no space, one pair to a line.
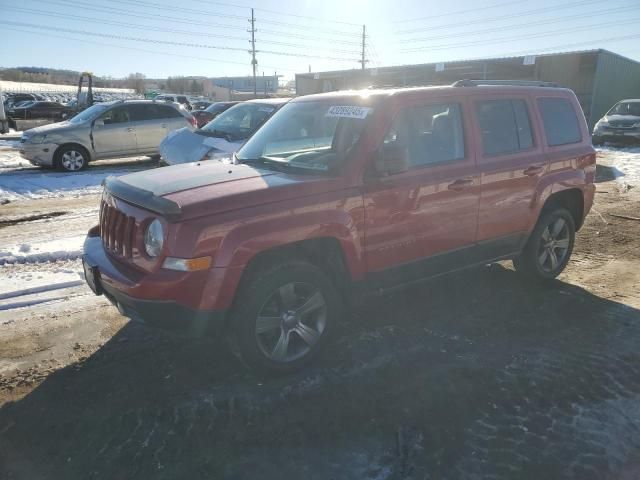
392,158
98,122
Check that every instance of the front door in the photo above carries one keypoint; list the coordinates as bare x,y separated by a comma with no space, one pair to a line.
432,208
113,133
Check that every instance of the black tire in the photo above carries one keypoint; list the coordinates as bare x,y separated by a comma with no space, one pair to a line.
71,158
262,291
533,262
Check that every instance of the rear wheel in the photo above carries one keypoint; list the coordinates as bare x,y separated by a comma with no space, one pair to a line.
549,247
71,158
284,316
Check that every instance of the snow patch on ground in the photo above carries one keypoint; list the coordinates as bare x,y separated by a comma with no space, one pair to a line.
19,180
66,248
627,162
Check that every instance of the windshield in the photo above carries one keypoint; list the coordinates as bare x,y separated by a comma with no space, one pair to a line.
89,114
239,122
626,108
310,135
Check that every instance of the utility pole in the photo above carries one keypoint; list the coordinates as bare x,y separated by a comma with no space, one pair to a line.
364,44
254,62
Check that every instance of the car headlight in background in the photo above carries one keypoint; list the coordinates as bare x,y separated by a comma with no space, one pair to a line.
154,238
636,125
37,139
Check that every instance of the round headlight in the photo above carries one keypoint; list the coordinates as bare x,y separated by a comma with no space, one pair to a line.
154,238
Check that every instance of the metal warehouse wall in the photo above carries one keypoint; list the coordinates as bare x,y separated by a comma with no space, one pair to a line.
576,71
616,78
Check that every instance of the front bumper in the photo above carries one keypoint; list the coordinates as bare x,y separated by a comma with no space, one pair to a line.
601,135
166,314
38,153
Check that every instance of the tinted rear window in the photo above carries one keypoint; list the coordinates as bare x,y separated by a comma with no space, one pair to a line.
560,121
505,126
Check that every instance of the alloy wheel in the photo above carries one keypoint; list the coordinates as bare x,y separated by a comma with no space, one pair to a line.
291,322
554,245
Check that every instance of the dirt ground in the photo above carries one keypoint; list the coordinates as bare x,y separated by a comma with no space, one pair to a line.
476,375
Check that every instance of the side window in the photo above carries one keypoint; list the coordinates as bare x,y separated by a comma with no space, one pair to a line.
142,112
116,115
167,112
431,133
505,126
560,121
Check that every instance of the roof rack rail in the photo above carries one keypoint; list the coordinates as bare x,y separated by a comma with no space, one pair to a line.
520,83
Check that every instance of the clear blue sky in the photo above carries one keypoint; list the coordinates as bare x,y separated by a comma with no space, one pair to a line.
295,34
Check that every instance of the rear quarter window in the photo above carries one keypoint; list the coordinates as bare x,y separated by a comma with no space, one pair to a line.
560,121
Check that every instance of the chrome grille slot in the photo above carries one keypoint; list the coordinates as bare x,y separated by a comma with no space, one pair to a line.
117,231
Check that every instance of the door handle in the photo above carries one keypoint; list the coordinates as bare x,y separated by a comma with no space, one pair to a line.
533,171
460,184
129,129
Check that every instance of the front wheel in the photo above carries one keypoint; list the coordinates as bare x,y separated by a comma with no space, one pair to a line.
284,316
549,247
71,158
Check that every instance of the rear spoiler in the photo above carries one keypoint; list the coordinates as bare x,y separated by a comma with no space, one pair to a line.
142,198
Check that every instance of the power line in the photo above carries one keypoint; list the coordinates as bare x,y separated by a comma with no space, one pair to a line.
562,31
168,42
161,29
457,12
121,24
502,17
305,37
121,37
215,14
47,34
522,25
150,16
555,47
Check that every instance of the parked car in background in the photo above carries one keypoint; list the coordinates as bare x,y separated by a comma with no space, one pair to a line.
181,99
621,124
212,111
343,193
37,109
12,99
105,130
199,105
220,137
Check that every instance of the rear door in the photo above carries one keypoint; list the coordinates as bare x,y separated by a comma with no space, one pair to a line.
432,208
150,127
114,133
511,163
171,118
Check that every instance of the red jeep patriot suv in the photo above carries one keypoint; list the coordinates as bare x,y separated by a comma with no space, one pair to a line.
342,192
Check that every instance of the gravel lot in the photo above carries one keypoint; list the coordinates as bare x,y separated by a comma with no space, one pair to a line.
476,375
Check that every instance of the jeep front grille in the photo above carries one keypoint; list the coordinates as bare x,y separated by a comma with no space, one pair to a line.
117,230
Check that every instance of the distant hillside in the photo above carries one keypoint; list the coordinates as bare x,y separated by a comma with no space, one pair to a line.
54,75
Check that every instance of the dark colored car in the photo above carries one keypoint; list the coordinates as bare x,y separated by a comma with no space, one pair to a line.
620,125
181,99
13,99
48,110
345,193
200,105
212,111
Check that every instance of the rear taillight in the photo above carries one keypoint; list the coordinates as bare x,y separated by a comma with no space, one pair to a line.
193,121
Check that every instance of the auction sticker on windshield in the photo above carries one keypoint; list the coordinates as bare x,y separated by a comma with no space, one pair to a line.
348,111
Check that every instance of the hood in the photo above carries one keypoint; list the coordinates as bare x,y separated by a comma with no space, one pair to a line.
50,128
184,146
205,188
622,120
